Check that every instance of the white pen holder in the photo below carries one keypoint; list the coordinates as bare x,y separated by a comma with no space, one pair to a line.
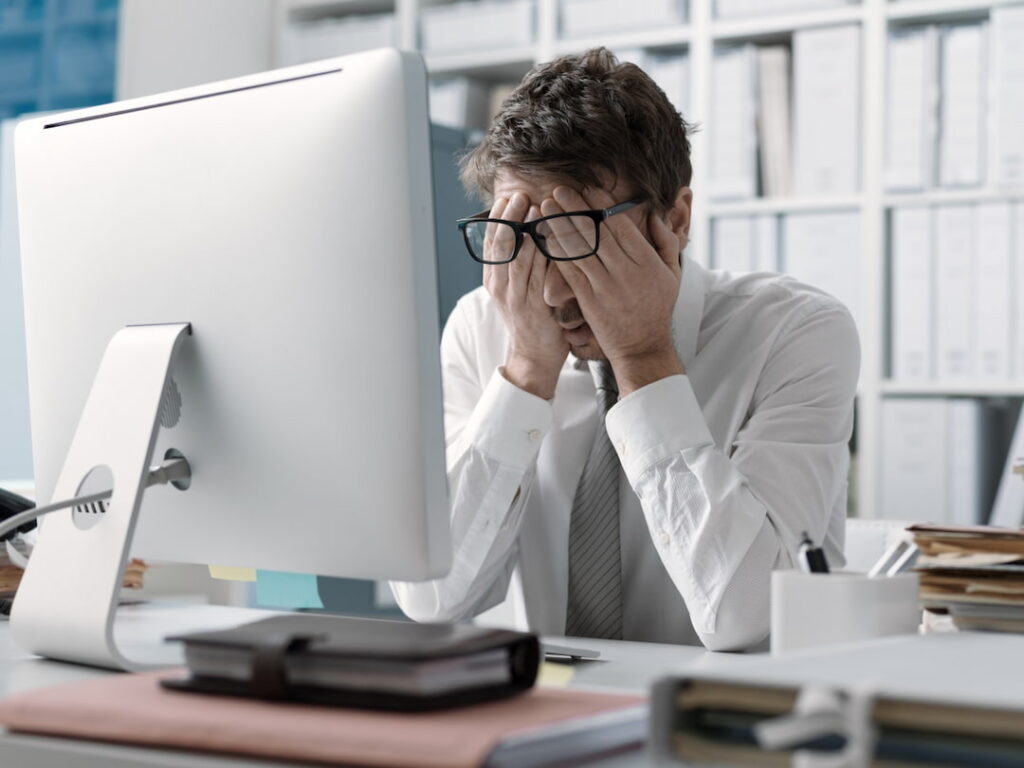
810,609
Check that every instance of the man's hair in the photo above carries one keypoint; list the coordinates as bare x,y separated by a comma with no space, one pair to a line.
578,116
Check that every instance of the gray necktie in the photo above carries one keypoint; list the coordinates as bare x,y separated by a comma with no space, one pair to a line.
594,607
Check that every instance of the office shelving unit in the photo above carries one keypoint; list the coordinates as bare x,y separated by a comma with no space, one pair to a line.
699,36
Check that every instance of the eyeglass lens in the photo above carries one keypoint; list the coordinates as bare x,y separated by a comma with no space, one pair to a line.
560,237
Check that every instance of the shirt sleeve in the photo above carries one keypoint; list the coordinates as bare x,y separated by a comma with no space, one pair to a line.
493,432
723,517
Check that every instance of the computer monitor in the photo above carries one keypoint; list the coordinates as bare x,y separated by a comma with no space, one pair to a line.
286,217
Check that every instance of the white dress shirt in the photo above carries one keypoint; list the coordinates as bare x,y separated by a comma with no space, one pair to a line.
723,467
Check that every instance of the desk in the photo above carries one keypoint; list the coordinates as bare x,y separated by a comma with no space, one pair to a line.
623,666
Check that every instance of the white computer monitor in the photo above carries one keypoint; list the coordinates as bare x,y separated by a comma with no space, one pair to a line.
287,217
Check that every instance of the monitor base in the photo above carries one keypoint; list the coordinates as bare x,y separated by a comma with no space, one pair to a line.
65,605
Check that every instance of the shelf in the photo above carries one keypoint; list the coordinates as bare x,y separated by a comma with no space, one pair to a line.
650,38
938,10
776,25
941,196
784,205
954,389
311,10
502,64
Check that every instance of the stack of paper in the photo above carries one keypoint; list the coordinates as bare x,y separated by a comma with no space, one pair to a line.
478,25
827,114
745,243
312,40
963,105
594,17
936,460
1007,107
733,113
911,104
976,573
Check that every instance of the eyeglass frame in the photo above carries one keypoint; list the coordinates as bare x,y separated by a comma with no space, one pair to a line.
530,228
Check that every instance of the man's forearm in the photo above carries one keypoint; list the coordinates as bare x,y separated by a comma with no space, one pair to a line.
531,376
633,373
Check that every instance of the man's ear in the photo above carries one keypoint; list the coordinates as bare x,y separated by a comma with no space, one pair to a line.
678,216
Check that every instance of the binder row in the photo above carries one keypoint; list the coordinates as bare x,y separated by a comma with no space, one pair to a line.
954,104
757,122
941,458
819,248
958,292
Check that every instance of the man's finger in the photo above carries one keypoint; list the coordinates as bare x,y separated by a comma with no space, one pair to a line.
666,242
621,228
610,252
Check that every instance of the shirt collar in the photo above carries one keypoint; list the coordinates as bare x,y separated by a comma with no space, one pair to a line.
689,310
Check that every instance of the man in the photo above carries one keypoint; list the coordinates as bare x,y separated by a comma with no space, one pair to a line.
634,442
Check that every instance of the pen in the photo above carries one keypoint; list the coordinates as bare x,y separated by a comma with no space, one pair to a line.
812,559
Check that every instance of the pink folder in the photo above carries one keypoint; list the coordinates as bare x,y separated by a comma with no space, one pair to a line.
133,709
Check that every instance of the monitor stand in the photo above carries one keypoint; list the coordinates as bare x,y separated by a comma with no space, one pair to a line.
65,605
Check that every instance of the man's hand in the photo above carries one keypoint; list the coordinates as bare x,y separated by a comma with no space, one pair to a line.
537,346
628,291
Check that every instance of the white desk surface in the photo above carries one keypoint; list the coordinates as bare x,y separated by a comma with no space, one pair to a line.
622,666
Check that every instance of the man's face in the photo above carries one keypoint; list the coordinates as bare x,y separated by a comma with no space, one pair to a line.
557,293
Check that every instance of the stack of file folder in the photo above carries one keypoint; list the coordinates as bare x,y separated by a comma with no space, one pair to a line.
975,573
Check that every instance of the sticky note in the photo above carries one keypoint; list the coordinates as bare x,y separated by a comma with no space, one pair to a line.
229,573
278,589
555,675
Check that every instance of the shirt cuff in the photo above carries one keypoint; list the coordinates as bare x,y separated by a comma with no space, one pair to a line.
655,422
508,423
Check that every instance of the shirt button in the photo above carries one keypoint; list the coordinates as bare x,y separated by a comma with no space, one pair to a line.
533,435
622,447
663,538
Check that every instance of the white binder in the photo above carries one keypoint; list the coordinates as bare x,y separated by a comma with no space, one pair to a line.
1007,87
963,105
827,114
911,105
993,317
732,242
954,245
912,316
733,112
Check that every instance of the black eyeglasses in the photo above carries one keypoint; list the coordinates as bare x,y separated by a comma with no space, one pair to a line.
561,236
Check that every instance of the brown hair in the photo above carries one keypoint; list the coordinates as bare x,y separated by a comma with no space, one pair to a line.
574,117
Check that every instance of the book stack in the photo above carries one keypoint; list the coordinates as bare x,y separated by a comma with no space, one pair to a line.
974,573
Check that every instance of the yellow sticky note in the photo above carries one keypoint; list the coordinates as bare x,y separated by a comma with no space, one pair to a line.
554,675
232,574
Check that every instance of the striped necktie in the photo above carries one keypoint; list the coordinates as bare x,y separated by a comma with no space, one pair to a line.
594,606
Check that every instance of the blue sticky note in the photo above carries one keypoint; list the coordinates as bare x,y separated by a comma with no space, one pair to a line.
278,589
